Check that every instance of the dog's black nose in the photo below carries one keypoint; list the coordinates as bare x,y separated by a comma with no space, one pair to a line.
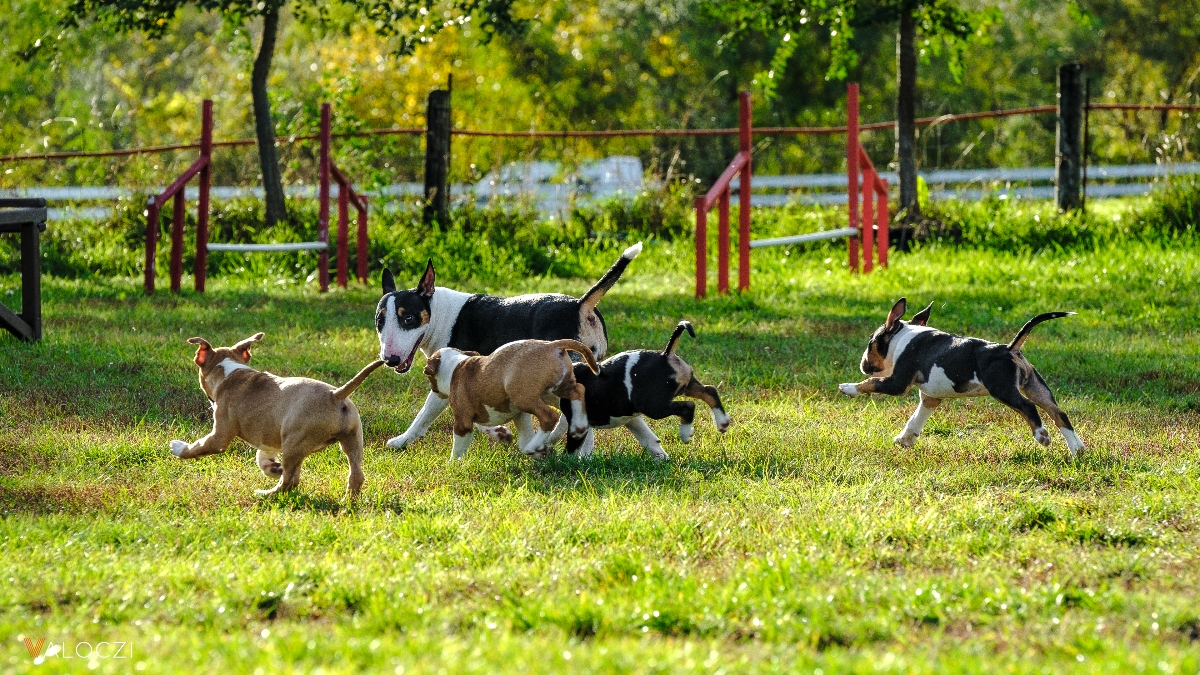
392,361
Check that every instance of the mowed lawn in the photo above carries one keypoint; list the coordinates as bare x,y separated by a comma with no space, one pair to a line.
801,540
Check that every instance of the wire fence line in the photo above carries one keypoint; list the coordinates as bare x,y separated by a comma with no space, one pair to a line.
614,133
768,191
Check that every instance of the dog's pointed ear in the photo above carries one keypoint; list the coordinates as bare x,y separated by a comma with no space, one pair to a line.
893,319
203,352
242,348
921,318
389,282
470,353
425,287
432,364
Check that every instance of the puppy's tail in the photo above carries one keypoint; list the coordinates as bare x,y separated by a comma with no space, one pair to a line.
592,298
577,347
679,328
1019,340
343,392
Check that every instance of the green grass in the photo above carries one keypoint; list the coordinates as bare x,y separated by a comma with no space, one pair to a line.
802,540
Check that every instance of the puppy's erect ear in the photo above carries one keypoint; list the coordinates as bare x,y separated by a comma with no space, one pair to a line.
242,348
893,319
389,282
432,365
203,352
921,318
425,287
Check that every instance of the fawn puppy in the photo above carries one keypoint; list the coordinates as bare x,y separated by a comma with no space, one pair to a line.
642,382
904,354
285,418
517,381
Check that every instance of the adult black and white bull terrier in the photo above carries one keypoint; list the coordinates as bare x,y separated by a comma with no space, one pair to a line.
431,317
636,383
903,354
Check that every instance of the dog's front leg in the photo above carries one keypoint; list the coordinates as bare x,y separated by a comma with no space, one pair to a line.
708,394
646,436
587,446
892,386
686,412
217,440
434,405
916,423
461,443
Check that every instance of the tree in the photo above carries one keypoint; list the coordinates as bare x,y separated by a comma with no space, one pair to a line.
411,22
942,22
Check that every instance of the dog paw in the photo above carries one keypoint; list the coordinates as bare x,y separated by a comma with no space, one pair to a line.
274,469
686,431
498,434
659,455
400,442
849,389
1042,436
906,440
722,420
177,447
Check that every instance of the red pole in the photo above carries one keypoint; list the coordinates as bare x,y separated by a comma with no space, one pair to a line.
206,124
881,216
744,194
323,198
852,168
723,242
343,233
177,239
701,249
151,244
362,240
868,219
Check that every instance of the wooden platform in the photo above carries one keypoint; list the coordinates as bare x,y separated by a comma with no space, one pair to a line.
26,217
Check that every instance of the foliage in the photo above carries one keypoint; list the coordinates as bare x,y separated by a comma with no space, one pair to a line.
1175,210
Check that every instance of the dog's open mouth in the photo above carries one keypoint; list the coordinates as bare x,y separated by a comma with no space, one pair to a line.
403,366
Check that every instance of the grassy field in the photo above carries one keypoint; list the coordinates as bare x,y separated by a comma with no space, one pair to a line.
802,540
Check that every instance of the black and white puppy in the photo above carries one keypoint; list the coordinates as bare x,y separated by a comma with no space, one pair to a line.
431,317
904,354
641,383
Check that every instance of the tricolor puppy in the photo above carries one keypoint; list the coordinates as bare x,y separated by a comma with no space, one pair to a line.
285,418
431,317
641,383
519,380
903,354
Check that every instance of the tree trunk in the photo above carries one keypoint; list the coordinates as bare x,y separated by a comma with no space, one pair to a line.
906,130
264,126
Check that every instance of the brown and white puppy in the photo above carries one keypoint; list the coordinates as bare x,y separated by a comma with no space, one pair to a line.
285,418
519,380
904,354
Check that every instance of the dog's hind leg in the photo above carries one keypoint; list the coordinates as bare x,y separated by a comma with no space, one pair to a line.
686,412
916,423
1012,398
1036,390
647,438
292,458
434,405
352,446
268,463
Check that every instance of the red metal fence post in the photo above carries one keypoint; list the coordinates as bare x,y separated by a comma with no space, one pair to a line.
362,240
177,238
701,249
852,168
206,124
723,243
343,235
152,226
744,194
323,198
868,219
881,216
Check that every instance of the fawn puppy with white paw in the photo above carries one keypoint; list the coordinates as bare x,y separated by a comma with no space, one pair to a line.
520,380
285,418
904,354
641,383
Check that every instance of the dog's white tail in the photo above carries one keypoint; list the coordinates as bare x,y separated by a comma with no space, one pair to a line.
345,390
592,298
